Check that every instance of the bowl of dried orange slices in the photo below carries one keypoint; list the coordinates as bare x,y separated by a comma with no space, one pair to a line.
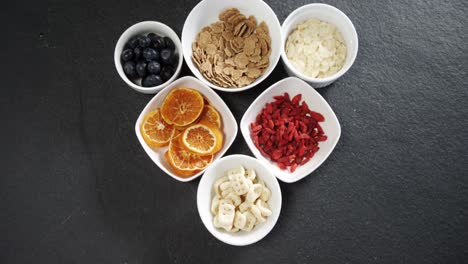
185,127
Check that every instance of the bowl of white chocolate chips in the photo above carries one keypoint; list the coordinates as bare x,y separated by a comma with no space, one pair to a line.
319,45
239,200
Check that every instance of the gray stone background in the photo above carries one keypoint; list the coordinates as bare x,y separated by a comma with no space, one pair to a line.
76,187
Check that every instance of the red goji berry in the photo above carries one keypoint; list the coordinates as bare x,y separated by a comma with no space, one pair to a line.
296,99
281,165
287,131
317,116
293,167
319,128
322,138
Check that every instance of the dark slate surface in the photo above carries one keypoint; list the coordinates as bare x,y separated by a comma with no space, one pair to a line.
76,187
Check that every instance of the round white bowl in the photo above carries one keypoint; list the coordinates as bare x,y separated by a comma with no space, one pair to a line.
146,27
205,194
207,11
328,14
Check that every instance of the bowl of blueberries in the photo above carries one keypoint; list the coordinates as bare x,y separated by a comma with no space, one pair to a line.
148,56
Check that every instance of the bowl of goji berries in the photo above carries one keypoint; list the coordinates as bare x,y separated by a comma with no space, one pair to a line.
291,128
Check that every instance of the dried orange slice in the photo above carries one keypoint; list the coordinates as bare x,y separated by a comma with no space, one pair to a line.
210,115
202,138
182,106
155,131
181,173
183,161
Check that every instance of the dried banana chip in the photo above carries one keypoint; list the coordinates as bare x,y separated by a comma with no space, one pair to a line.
243,199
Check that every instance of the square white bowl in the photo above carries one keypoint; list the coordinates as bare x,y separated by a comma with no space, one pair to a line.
331,126
229,123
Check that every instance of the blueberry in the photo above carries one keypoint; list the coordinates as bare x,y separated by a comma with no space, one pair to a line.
169,43
151,80
151,35
141,69
132,43
154,67
150,54
167,56
129,69
127,55
167,72
158,43
137,53
144,41
175,60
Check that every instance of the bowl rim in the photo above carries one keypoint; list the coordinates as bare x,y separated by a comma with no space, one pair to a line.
124,38
235,89
220,154
244,127
276,188
286,60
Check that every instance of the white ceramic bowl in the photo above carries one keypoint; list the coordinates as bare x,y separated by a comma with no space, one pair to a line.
328,14
205,194
145,28
331,126
207,11
229,123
